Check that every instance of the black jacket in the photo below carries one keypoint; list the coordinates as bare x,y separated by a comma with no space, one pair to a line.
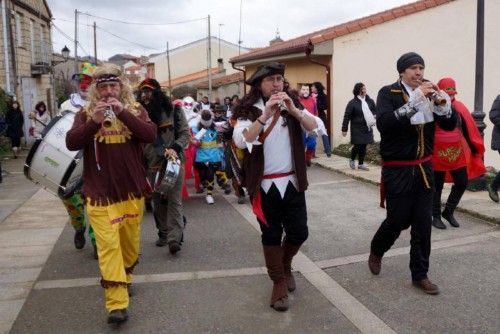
15,122
360,134
400,140
495,119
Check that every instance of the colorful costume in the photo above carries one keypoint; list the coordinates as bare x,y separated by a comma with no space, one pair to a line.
75,204
457,157
114,184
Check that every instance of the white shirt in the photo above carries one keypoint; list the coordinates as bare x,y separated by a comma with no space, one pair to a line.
277,157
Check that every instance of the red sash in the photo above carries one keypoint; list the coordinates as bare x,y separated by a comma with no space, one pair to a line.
397,163
257,198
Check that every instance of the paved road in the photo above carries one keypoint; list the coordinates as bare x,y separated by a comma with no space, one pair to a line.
217,283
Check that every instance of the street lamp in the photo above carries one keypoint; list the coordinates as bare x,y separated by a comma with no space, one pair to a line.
65,53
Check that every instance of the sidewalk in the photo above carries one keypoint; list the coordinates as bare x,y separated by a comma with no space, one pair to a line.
477,204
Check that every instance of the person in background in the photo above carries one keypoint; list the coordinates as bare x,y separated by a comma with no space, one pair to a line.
74,204
39,120
457,157
15,121
309,103
318,92
495,145
360,113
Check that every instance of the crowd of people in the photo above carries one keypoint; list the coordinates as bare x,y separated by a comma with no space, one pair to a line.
259,146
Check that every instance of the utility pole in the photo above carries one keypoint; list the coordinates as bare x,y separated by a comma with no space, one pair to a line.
169,79
95,45
209,56
76,41
239,37
220,24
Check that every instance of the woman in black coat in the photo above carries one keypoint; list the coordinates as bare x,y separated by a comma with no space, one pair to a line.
15,122
361,133
495,145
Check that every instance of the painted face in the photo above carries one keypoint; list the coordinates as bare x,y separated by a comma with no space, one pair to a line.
304,91
187,104
83,85
109,89
271,85
413,75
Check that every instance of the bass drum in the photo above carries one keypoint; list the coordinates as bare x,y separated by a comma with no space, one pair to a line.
51,164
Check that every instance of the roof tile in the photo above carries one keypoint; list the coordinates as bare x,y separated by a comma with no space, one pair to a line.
297,44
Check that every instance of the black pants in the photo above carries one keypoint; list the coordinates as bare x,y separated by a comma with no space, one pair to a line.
207,174
410,208
360,151
457,190
289,213
496,181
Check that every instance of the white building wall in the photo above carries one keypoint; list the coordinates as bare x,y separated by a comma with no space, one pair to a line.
445,36
192,58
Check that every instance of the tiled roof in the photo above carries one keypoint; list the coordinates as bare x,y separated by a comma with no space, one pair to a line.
299,44
227,79
190,77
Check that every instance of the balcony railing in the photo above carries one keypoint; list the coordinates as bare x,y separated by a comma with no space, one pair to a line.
42,59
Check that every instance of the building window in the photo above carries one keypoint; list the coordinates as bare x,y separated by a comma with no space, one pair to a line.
32,40
19,29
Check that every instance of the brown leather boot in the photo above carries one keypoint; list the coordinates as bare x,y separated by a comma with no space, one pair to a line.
374,263
274,264
289,251
427,286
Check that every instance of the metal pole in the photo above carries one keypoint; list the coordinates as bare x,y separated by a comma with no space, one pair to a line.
169,79
5,47
209,63
478,113
76,41
239,37
95,45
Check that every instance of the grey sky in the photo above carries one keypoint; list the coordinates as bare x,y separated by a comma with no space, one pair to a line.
260,19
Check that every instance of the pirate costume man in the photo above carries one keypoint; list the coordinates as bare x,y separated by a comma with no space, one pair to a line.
111,131
406,119
275,171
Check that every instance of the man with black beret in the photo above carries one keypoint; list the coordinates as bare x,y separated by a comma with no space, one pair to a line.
270,126
406,114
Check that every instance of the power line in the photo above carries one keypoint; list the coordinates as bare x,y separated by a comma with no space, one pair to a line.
70,39
126,40
143,23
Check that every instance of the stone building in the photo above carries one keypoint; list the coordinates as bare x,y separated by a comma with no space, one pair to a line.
26,47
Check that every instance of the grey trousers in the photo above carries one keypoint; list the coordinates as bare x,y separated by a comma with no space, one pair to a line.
167,211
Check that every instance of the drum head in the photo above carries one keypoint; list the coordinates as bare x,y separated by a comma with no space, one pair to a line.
50,163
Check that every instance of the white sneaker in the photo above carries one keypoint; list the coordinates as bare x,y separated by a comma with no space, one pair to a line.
210,199
352,164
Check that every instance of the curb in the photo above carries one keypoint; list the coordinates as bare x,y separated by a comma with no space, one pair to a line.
475,214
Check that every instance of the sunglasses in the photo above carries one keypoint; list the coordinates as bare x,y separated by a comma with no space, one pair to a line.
188,104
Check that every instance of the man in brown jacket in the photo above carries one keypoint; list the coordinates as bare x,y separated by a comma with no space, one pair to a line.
111,130
270,126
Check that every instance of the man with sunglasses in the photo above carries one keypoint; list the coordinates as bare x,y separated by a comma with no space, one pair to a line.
270,126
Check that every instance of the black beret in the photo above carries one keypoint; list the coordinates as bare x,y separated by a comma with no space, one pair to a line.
265,70
407,60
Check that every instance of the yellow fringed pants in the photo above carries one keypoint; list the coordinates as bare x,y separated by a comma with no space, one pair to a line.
117,229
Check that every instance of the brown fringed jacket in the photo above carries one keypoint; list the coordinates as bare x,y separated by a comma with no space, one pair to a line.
113,165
